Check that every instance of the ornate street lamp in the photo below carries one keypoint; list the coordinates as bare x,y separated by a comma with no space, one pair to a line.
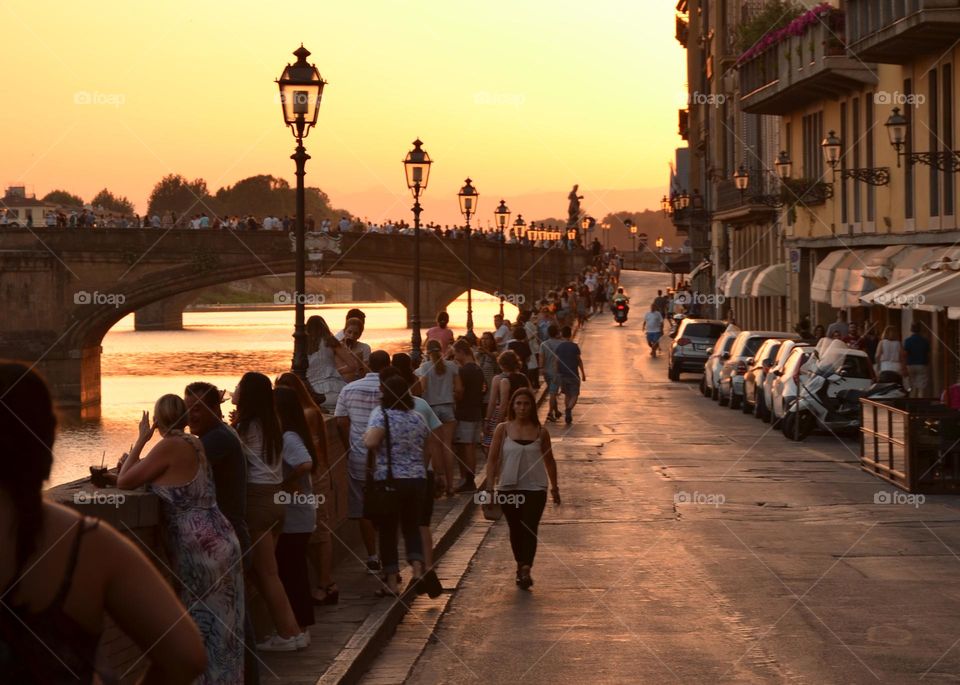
632,227
741,179
897,131
416,166
665,206
301,88
683,199
660,242
502,214
784,165
944,160
468,197
831,149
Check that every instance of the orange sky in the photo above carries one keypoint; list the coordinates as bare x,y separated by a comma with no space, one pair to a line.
524,97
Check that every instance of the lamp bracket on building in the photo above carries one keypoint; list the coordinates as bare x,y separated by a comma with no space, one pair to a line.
879,176
945,160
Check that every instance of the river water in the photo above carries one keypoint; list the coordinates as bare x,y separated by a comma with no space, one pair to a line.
137,367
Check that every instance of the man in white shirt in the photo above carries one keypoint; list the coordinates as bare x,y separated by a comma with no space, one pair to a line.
502,334
653,325
354,404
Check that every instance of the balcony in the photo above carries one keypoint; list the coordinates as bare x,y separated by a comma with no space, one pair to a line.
897,31
802,63
684,123
741,208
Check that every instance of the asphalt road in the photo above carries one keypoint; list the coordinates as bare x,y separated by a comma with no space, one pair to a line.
695,545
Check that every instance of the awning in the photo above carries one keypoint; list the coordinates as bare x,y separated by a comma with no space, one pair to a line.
911,261
705,264
849,285
823,276
896,294
740,282
881,264
770,282
722,281
942,289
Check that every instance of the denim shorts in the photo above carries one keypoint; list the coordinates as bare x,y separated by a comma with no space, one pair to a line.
444,412
570,386
467,433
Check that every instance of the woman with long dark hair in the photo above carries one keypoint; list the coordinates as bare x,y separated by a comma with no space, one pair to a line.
504,385
48,550
320,547
202,546
396,435
262,440
520,464
300,515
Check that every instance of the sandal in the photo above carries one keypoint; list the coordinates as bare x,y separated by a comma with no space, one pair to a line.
331,595
523,578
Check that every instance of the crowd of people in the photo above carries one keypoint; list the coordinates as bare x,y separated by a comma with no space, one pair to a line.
247,499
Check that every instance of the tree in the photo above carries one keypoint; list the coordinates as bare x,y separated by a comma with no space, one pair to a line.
261,195
62,197
110,202
175,193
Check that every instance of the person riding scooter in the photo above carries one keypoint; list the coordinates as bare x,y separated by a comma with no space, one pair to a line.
620,306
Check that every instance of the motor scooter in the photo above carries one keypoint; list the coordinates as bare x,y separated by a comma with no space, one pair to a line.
620,309
814,406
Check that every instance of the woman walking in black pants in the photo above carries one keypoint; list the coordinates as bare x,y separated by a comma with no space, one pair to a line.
520,464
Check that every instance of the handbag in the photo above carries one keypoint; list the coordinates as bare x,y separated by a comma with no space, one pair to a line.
380,497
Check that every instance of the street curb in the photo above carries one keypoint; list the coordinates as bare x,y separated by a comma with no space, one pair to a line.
375,632
356,657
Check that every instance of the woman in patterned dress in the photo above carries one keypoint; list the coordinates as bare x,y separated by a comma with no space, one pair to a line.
201,545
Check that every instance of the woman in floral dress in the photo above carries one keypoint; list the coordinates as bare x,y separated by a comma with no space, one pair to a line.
202,548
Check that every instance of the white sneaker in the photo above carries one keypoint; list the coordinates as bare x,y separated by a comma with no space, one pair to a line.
303,640
275,643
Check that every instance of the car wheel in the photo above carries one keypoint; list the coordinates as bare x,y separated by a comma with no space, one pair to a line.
721,400
762,412
703,386
714,394
673,373
797,427
735,400
747,407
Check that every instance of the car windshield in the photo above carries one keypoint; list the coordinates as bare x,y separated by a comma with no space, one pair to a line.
711,331
771,352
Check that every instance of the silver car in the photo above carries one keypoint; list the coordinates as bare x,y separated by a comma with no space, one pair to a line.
710,382
764,399
757,369
691,345
735,364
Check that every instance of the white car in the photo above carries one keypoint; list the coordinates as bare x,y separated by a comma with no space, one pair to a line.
786,380
710,383
764,401
735,364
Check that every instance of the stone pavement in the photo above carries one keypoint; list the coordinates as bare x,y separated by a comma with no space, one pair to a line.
694,544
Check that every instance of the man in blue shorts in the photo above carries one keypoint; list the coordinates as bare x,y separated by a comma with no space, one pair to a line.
653,325
569,370
548,362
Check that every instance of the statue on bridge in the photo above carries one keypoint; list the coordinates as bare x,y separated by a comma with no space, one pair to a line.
573,211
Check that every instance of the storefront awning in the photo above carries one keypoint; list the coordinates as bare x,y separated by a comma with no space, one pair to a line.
849,284
911,261
942,289
881,263
740,281
770,282
823,276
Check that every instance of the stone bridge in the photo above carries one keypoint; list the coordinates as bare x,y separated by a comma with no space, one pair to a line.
62,290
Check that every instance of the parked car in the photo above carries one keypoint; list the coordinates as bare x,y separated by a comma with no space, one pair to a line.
710,382
735,363
757,369
691,345
764,398
786,381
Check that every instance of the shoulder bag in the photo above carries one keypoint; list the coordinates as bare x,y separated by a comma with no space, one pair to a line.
380,497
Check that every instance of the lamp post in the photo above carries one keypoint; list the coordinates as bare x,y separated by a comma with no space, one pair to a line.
502,214
301,88
416,166
468,196
571,240
520,228
632,227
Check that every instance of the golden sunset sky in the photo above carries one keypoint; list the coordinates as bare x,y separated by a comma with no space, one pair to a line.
525,97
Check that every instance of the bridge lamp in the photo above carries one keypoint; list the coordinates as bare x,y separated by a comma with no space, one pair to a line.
502,215
416,166
301,88
468,197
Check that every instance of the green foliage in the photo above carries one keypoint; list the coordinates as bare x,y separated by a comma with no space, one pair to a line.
175,193
774,16
110,202
64,198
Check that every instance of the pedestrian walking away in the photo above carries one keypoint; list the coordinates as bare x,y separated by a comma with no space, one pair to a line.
653,327
569,370
518,470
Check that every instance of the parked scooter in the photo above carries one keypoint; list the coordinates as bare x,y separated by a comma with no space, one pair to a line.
814,405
